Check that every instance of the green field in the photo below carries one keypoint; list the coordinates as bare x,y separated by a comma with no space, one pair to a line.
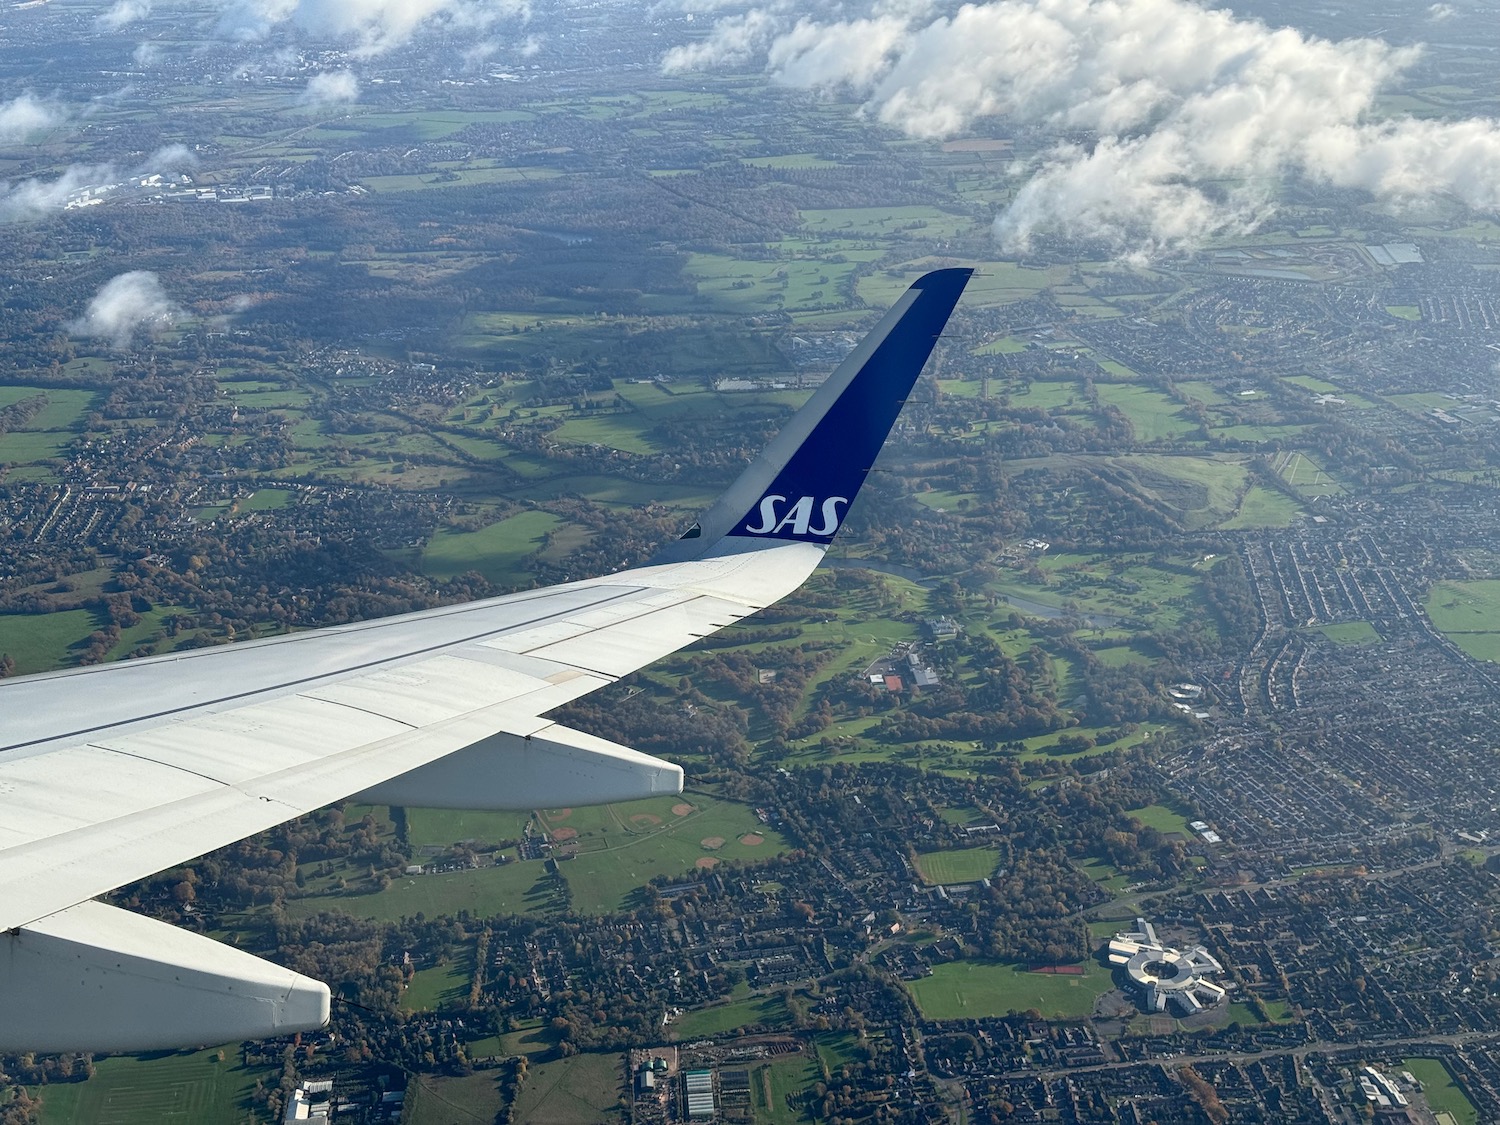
1350,633
445,827
193,1088
1263,507
1443,1094
961,865
431,1099
495,551
1199,491
1153,415
621,847
572,1091
774,1084
268,499
1469,613
437,987
975,989
1161,818
513,888
706,1022
615,851
40,642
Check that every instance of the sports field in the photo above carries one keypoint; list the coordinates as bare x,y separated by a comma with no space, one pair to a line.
190,1087
960,865
1443,1094
974,989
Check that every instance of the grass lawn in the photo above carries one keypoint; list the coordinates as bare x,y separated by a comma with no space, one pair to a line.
571,1091
1263,507
1350,633
431,989
191,1087
1442,1093
772,1083
513,888
706,1022
1153,415
434,1100
443,828
267,499
40,642
620,847
1162,818
974,989
960,865
494,551
1469,612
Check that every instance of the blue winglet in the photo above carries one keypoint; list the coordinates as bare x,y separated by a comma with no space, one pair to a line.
801,485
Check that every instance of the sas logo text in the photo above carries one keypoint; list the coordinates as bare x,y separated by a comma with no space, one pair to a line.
797,519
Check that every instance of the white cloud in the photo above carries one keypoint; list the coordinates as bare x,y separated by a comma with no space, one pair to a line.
83,185
145,54
1439,12
30,199
372,26
169,158
330,88
123,12
733,41
1198,115
125,305
27,114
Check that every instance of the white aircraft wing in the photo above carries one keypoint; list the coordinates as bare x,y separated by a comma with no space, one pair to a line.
109,774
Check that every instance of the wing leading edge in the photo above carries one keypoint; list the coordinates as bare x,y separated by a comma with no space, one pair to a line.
110,774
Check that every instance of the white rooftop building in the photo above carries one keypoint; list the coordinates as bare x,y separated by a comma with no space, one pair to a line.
1164,976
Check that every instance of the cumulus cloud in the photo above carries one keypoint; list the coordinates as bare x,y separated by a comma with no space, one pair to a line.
27,114
123,12
146,54
1195,116
83,184
30,199
371,26
733,41
1439,12
125,305
330,88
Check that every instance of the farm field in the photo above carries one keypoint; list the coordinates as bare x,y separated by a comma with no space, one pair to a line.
974,989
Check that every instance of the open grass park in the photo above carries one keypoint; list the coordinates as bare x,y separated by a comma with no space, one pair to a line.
1469,613
187,1087
971,989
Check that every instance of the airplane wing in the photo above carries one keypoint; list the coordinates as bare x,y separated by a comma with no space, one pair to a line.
112,773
